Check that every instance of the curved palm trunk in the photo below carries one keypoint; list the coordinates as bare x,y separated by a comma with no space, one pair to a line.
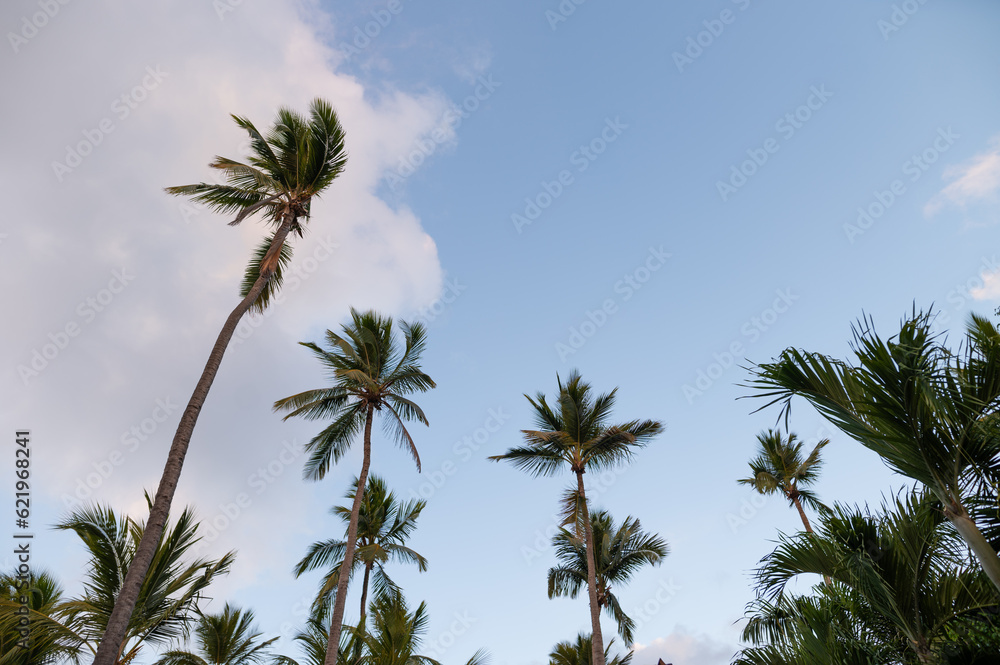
336,623
364,591
988,559
113,640
802,514
597,640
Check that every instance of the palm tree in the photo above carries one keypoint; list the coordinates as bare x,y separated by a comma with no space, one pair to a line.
169,594
31,628
621,551
396,633
313,641
371,373
581,653
578,436
904,568
384,525
297,160
227,638
779,467
925,409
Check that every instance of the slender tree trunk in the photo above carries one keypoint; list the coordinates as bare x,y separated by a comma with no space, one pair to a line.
113,640
596,639
966,528
364,591
802,514
337,621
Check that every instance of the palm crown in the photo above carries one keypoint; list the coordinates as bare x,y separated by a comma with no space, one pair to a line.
226,638
620,551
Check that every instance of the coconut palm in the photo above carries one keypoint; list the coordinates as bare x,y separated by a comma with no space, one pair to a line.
925,409
371,373
580,652
313,641
297,160
620,552
384,525
397,633
31,628
226,638
577,435
779,467
905,567
169,594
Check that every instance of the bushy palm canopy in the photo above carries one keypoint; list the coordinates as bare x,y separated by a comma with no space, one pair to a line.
313,640
780,467
579,653
620,551
369,371
170,591
905,569
924,408
32,602
226,638
576,435
384,526
294,162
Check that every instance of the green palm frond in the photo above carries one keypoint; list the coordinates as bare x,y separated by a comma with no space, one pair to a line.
253,271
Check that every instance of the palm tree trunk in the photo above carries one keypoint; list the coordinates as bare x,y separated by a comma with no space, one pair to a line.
966,528
114,634
809,529
364,592
596,639
337,621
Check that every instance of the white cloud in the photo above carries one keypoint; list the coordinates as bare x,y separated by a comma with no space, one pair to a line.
990,290
681,647
977,179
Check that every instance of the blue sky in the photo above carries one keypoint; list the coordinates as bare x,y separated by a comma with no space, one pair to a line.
657,195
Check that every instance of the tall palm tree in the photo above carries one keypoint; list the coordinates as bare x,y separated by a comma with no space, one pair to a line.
371,374
904,567
226,638
397,633
170,592
313,641
620,552
384,525
577,435
31,627
297,160
780,468
581,652
926,410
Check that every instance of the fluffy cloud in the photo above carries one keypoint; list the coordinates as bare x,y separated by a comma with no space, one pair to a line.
977,179
682,647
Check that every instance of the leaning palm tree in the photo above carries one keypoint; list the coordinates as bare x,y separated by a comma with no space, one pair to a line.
780,468
226,638
577,435
621,551
905,568
296,161
371,373
170,592
927,410
384,525
580,652
31,622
